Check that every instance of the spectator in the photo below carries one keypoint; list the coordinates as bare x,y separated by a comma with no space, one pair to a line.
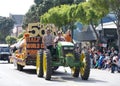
100,61
95,59
106,61
118,65
114,63
91,58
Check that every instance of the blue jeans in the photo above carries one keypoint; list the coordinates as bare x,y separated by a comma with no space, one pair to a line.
113,66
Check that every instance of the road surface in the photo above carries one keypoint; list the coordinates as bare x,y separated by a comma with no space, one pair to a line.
9,76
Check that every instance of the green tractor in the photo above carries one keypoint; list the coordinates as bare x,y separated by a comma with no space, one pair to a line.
63,55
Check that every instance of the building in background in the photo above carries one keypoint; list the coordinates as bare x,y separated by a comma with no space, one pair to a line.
107,30
84,34
17,29
108,34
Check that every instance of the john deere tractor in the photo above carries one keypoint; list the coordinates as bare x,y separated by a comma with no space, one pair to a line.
63,54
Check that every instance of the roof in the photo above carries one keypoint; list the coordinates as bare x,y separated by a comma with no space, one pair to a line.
110,25
109,18
88,35
18,19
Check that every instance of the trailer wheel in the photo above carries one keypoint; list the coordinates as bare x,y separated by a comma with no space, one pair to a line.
39,63
8,60
85,66
19,67
47,69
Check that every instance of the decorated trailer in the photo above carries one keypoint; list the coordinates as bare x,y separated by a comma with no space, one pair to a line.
29,45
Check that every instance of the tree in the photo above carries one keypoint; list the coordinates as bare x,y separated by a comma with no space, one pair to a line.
111,6
81,12
11,40
56,15
6,24
78,1
21,35
42,6
88,14
31,16
37,2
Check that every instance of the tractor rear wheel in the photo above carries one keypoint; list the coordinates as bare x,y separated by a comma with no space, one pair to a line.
85,66
47,69
39,63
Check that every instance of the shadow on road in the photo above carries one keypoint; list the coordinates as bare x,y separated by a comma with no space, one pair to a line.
58,76
63,77
29,71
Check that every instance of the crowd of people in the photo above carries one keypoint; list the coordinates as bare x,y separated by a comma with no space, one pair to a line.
105,58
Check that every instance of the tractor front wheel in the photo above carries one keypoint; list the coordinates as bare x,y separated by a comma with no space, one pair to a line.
47,69
75,70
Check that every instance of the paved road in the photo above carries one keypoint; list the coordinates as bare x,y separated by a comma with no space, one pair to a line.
9,76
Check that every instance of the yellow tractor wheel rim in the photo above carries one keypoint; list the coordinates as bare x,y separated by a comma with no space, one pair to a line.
72,70
44,63
37,63
82,59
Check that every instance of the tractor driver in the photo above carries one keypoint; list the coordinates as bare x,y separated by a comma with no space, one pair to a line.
48,39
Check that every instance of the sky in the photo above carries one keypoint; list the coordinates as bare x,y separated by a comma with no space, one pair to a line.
14,7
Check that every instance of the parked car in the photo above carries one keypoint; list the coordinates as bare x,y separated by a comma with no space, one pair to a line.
5,52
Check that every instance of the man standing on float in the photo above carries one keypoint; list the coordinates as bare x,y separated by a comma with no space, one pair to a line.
48,40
